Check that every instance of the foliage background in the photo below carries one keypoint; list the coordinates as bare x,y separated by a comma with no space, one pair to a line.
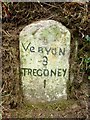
76,17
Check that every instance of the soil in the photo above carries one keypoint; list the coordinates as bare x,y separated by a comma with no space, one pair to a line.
15,16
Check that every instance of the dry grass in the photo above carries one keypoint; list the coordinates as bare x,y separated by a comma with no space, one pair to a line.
75,17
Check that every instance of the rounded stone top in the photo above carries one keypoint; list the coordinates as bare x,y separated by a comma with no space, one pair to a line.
35,27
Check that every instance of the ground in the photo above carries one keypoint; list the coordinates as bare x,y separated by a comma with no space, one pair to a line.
75,16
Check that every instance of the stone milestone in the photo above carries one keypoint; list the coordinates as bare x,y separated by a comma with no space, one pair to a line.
44,61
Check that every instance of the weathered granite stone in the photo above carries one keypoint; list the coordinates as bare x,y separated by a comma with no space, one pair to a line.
44,57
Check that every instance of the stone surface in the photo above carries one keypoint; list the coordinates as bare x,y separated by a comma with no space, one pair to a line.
44,57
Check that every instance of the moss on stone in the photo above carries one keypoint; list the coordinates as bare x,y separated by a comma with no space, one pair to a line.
58,105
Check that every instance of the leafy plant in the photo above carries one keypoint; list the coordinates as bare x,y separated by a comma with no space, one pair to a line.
87,60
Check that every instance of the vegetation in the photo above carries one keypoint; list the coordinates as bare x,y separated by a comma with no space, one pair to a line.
75,16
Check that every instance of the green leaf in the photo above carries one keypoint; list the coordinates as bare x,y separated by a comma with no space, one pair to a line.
88,77
87,60
87,38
